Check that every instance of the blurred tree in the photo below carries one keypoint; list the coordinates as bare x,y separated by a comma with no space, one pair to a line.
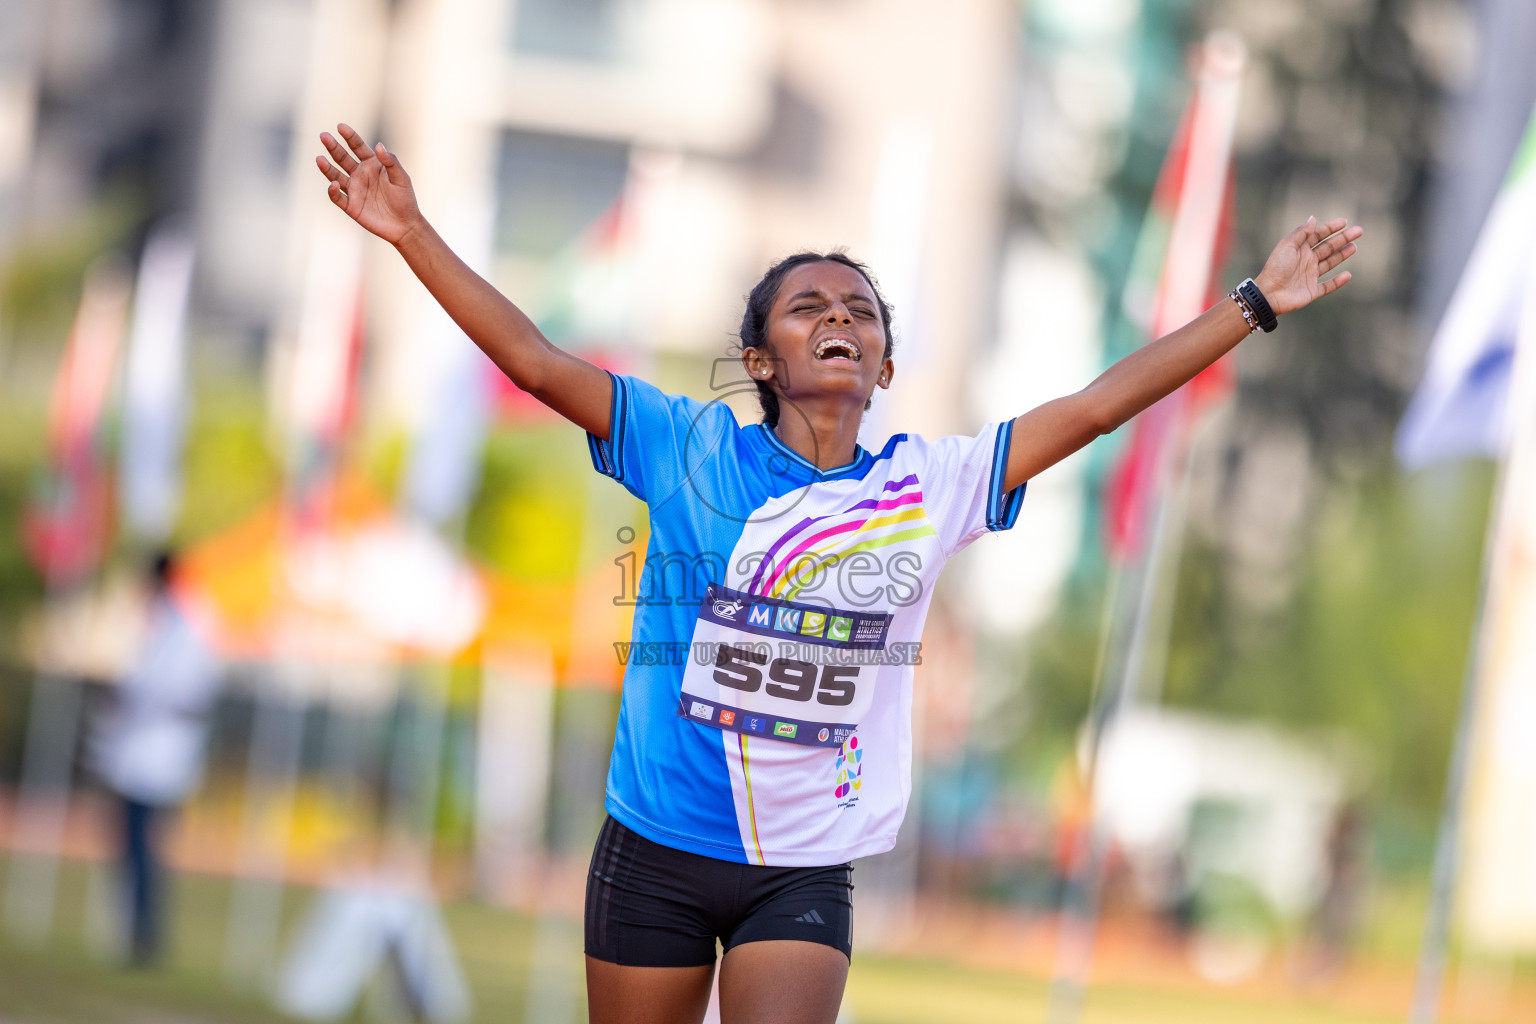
1318,587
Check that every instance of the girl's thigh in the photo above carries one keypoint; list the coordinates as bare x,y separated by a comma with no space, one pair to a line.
783,981
648,995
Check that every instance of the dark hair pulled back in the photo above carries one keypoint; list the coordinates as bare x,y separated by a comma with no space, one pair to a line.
754,321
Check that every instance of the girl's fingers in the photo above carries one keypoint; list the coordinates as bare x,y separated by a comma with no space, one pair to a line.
330,171
338,152
334,191
1330,245
1335,283
392,169
1337,258
1317,231
354,141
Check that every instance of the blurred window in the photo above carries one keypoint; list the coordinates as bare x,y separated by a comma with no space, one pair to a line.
554,187
574,29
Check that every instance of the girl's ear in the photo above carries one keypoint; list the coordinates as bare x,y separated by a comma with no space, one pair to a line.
887,373
757,363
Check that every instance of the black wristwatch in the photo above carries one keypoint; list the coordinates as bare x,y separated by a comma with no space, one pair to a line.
1259,304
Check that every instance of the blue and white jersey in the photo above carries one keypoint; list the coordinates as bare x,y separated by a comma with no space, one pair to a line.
767,707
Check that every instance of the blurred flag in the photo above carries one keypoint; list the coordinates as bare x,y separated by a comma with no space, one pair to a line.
323,400
446,454
154,390
444,467
1498,901
1183,243
1462,406
1491,323
65,527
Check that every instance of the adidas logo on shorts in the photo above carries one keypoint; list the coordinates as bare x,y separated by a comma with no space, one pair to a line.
810,917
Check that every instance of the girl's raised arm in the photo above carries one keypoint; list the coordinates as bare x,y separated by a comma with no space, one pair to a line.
373,189
1291,279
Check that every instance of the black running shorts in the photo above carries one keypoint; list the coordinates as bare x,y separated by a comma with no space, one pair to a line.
649,905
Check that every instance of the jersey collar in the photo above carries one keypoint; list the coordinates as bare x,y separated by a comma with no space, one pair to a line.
861,458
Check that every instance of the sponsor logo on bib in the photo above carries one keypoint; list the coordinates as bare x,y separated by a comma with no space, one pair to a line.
776,617
785,729
727,717
825,732
703,711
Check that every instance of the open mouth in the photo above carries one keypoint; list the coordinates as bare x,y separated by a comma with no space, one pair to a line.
837,348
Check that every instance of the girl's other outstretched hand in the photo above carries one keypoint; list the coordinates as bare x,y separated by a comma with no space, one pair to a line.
369,184
1291,276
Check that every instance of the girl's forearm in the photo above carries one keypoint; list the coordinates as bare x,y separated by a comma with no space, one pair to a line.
571,386
501,330
1049,433
1161,367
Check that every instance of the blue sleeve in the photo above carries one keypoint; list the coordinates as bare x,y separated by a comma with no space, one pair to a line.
654,437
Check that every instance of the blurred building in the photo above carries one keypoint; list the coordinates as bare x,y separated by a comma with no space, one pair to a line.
624,169
99,99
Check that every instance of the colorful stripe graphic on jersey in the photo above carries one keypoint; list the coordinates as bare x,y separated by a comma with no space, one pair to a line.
901,502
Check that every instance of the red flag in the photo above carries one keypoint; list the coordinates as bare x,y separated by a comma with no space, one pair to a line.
1183,243
65,528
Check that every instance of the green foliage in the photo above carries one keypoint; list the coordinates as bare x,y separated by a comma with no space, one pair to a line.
21,441
40,283
1373,644
1375,640
527,519
230,468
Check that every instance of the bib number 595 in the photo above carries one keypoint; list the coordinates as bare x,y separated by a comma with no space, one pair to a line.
740,668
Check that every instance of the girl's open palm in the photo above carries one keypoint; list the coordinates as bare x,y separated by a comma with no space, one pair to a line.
1291,277
369,184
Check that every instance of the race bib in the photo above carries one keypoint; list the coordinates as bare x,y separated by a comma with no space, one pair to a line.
798,673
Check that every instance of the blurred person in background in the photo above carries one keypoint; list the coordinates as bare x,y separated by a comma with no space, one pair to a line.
148,749
1336,920
705,841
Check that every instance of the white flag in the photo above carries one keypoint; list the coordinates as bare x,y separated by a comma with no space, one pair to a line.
1462,406
154,399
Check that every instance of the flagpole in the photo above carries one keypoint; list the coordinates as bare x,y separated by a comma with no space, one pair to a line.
1432,954
1184,288
1512,479
1080,912
40,822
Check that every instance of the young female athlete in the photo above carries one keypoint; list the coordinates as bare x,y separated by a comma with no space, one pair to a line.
744,781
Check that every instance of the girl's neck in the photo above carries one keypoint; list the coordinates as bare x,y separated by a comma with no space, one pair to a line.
825,437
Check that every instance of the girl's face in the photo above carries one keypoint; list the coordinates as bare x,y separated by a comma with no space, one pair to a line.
825,336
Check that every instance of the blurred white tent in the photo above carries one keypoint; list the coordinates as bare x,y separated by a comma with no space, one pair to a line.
1280,794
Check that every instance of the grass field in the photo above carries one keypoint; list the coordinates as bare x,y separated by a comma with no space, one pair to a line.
523,969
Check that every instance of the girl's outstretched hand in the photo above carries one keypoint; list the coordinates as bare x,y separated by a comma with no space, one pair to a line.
1290,278
369,184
